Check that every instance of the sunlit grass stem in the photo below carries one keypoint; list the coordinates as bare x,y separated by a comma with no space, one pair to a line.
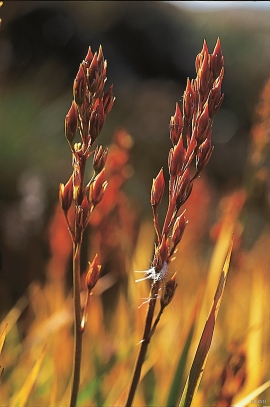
78,332
144,343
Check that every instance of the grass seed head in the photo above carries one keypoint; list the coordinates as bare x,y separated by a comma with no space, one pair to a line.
93,273
79,86
66,195
168,291
99,159
157,190
71,123
97,188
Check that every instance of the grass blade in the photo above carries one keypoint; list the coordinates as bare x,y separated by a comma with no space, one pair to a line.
2,340
202,352
253,395
175,389
3,337
21,398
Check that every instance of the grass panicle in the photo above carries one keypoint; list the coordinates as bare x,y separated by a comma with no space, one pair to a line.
85,117
190,133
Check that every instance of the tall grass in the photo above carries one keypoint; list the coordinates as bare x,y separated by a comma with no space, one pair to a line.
82,347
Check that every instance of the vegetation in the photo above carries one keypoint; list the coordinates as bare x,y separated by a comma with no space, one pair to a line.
98,346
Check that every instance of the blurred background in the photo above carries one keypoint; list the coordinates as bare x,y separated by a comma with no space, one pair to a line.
150,48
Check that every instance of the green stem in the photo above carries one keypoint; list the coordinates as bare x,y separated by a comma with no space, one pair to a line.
78,333
144,343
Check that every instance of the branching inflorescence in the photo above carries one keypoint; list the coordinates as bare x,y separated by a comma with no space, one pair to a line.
190,133
86,117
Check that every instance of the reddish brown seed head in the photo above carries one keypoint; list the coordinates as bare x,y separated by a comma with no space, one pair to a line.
188,103
204,153
100,57
71,123
79,86
202,125
76,179
93,71
215,98
99,159
168,291
93,273
178,229
89,57
204,73
66,195
217,60
176,125
96,120
97,188
183,188
200,57
157,189
177,158
108,100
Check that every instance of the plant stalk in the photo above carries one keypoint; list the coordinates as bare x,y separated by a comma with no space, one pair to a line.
144,343
78,333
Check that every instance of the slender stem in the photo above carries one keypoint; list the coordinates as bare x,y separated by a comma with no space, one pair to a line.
156,321
156,223
144,343
168,218
78,333
69,227
85,311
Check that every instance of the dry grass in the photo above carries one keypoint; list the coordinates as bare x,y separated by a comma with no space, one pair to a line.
108,351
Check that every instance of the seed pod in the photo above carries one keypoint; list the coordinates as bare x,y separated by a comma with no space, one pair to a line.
79,86
96,120
89,57
100,58
202,124
66,195
157,189
215,98
204,154
93,274
176,125
177,158
168,291
99,159
76,179
93,74
183,188
97,188
204,74
108,100
217,60
200,56
188,103
71,123
178,229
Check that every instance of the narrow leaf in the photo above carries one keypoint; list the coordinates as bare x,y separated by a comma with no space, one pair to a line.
253,395
3,337
202,352
21,398
175,389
